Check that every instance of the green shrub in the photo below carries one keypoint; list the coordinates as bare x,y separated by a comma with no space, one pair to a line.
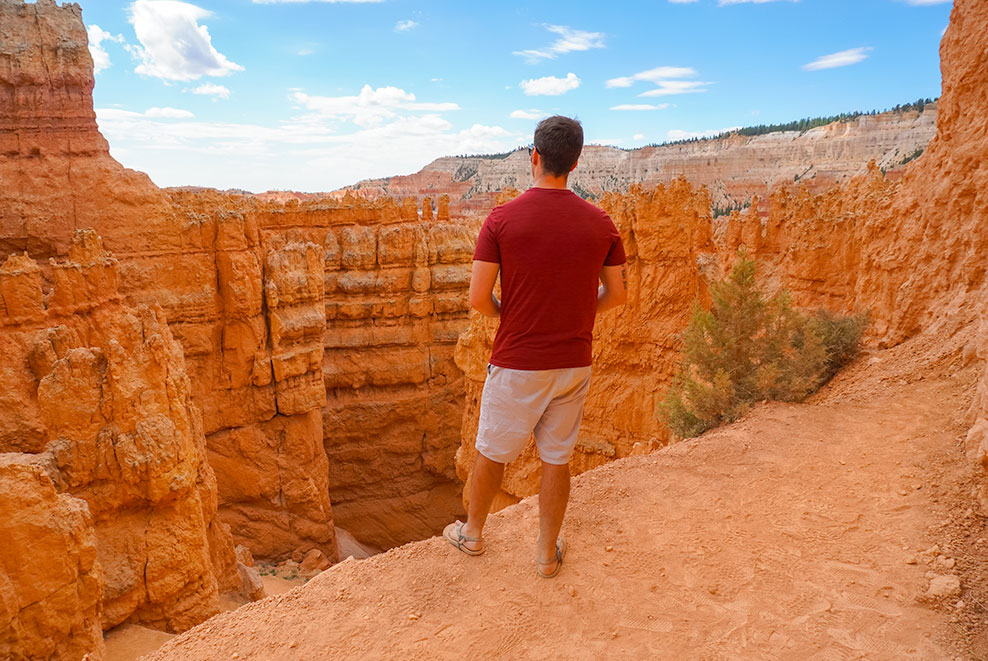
747,348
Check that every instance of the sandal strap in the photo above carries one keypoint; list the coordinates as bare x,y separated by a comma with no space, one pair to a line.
464,538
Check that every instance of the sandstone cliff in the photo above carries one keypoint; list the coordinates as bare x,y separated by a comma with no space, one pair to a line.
734,168
293,346
911,251
272,303
97,408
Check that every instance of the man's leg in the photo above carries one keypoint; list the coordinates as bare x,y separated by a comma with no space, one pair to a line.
485,482
553,497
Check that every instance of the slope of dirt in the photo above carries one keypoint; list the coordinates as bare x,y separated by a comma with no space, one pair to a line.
802,532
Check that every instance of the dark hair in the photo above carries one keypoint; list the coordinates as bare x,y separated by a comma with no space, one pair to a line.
559,141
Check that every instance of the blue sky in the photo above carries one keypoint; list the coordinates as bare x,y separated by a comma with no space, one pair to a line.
313,95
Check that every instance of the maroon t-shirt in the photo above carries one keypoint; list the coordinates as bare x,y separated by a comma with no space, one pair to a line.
551,246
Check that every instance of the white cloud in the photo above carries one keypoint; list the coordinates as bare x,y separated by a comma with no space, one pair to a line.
655,75
212,89
569,40
923,3
97,35
372,107
682,2
404,26
641,136
173,44
305,153
677,134
668,81
168,113
533,113
153,113
305,51
672,87
841,59
550,85
640,106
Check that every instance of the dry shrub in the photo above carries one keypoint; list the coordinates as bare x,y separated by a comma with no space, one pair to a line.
748,348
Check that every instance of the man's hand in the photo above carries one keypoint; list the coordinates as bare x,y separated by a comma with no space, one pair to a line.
614,290
482,280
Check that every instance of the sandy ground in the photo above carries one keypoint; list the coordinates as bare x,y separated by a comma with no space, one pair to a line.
804,532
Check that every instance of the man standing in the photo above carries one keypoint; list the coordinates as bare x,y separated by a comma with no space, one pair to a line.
552,249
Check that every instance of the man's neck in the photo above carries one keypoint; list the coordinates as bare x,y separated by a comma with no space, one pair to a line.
550,181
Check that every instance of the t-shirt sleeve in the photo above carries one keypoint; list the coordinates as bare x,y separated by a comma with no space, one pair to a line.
615,255
487,249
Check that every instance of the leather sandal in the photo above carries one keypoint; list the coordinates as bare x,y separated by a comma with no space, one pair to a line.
560,552
453,533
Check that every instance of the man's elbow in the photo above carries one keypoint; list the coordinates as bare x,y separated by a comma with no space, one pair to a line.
477,302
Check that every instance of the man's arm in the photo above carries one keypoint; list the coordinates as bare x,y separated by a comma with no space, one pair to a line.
482,280
614,290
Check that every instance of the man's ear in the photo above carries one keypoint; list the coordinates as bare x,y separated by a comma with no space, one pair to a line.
574,166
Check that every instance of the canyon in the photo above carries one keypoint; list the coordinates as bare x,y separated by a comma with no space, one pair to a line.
734,168
196,378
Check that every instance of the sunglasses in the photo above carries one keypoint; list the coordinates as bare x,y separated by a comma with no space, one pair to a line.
531,149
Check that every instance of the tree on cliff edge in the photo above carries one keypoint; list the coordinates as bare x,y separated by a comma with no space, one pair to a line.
748,348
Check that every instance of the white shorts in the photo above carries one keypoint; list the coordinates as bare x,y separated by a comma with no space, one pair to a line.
518,403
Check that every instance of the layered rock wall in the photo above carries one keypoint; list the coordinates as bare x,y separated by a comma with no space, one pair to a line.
911,251
734,168
99,420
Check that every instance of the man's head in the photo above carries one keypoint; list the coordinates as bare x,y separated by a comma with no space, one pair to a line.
559,141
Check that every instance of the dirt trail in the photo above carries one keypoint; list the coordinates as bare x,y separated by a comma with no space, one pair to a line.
796,533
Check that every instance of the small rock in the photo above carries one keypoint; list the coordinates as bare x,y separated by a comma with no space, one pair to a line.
969,354
315,560
902,492
244,555
960,604
911,560
608,548
944,585
572,591
413,616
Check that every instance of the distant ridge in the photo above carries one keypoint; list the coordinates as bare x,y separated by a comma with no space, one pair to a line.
736,165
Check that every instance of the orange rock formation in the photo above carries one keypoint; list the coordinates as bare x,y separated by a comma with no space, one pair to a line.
100,427
196,369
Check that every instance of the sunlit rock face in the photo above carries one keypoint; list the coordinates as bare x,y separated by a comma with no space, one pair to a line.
734,168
